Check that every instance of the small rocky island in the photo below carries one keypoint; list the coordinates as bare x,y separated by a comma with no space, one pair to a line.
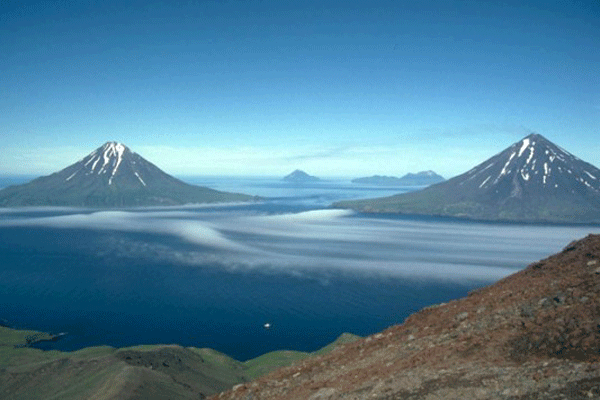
299,176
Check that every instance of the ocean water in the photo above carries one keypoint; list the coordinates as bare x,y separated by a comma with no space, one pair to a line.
212,276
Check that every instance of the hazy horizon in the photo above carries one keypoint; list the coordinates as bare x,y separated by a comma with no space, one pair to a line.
192,176
236,173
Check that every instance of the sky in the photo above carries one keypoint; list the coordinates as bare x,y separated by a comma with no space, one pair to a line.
260,88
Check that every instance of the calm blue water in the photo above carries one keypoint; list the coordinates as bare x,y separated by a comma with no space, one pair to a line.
212,276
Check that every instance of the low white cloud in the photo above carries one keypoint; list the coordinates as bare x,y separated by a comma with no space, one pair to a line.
321,240
193,231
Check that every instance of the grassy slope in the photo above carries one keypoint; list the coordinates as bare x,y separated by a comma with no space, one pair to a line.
144,372
276,359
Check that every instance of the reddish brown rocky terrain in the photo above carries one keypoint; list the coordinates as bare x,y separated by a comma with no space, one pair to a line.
533,335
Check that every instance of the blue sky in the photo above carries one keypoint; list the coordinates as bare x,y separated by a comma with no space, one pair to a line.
337,88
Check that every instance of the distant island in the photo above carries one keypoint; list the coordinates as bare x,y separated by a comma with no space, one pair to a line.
111,176
423,178
299,176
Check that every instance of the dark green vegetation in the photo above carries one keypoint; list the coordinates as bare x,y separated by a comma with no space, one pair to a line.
140,372
111,176
423,178
531,181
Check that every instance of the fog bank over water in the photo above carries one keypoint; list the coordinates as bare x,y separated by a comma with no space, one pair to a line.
213,275
241,236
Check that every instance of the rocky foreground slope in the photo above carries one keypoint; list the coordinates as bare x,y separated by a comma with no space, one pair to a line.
533,335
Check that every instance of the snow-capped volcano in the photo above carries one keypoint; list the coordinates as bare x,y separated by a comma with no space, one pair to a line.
105,162
113,164
534,162
532,180
111,176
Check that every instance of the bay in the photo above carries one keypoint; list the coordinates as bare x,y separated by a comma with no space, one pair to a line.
212,276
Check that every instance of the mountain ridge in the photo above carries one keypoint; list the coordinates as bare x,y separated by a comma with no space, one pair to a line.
422,178
111,176
532,180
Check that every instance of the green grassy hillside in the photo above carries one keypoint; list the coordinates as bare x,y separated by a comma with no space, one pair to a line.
139,372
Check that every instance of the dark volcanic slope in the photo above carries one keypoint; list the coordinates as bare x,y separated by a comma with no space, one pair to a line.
532,180
111,176
533,335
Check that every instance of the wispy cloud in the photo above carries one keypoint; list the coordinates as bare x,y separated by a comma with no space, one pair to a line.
193,231
320,154
280,160
440,149
321,240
